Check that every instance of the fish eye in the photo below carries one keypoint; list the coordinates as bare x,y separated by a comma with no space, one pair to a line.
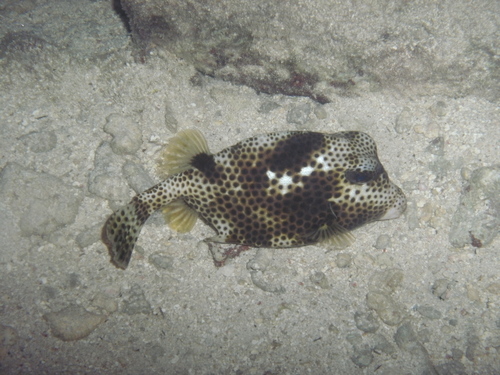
359,177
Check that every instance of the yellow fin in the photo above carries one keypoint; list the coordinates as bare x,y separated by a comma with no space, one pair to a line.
177,155
179,216
333,235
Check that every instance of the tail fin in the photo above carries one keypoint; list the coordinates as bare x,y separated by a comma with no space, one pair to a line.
122,229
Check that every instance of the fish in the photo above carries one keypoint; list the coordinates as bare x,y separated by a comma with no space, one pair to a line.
276,190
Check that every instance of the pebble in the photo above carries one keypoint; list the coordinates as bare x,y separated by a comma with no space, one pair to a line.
319,278
299,114
494,288
136,302
386,281
8,338
436,146
343,260
451,368
380,344
428,312
89,236
43,202
41,141
104,180
404,121
171,122
162,261
137,177
383,242
268,106
127,137
439,109
366,322
386,308
362,356
476,221
105,302
441,288
73,322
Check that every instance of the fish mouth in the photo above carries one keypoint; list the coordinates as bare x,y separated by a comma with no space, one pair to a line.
398,206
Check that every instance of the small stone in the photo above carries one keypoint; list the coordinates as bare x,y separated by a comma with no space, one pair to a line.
73,322
476,221
404,121
136,302
429,312
268,106
320,279
406,339
8,338
451,368
386,281
386,308
299,114
43,202
366,322
89,236
441,288
137,177
494,288
171,122
473,293
362,356
343,260
439,109
38,142
436,146
320,112
161,261
383,242
127,137
104,302
382,345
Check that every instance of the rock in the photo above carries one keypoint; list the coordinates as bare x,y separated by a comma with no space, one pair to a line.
441,288
43,202
343,260
319,278
104,302
383,242
299,114
366,322
386,281
73,323
476,221
136,302
362,356
382,345
161,261
137,177
127,137
41,141
429,312
104,180
386,308
8,338
436,146
283,47
89,236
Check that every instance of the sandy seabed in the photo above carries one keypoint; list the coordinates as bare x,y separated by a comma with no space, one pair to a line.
82,124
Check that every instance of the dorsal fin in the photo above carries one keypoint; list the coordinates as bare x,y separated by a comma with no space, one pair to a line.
177,155
179,216
334,235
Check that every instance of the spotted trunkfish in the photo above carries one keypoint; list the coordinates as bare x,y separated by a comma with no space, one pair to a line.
283,189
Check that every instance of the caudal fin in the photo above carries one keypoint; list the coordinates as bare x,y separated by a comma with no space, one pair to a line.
121,231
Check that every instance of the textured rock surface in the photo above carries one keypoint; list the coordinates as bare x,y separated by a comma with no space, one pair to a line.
320,48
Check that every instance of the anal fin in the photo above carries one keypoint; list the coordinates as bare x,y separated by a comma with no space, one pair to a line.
179,216
334,235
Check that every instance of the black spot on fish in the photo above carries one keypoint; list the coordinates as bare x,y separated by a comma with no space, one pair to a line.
294,150
205,163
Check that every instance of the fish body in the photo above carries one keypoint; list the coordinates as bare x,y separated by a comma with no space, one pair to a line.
282,189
